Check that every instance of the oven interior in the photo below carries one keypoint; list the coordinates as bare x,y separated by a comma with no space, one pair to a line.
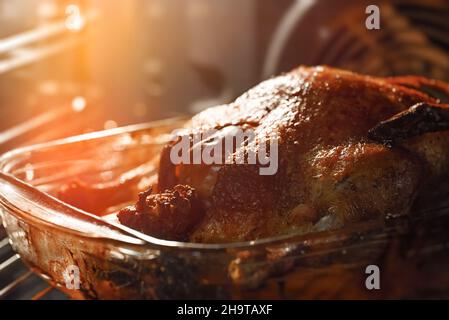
71,67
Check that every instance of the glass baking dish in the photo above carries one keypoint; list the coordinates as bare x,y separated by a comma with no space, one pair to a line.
115,262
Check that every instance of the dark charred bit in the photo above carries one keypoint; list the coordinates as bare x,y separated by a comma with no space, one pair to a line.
170,215
141,203
419,119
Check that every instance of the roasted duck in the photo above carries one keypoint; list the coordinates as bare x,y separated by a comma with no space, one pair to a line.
350,147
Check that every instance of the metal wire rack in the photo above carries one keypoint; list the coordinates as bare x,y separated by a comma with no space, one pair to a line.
17,281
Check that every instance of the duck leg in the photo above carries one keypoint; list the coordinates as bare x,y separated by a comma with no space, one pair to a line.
417,120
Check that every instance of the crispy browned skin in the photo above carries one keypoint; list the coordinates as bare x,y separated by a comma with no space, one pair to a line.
328,165
171,214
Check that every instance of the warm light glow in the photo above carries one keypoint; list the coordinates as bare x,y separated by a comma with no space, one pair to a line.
29,172
78,104
74,21
49,87
47,9
139,109
110,124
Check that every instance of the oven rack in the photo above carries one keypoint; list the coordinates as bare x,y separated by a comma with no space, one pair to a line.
17,281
